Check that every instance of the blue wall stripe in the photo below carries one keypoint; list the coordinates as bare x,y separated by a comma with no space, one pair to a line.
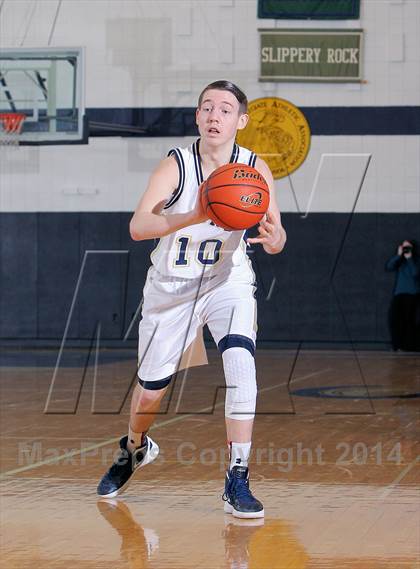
37,281
323,121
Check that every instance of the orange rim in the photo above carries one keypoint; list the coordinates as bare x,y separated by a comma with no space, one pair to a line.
12,122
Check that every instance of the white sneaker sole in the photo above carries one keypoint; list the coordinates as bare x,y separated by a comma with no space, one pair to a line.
151,455
244,515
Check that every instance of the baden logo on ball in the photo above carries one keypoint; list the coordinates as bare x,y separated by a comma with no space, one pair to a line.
241,173
235,196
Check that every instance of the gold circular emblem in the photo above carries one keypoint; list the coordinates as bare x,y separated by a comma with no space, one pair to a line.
278,132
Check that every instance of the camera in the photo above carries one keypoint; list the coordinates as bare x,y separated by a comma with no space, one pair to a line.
407,249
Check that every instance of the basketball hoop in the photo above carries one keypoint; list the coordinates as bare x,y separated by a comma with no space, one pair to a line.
10,128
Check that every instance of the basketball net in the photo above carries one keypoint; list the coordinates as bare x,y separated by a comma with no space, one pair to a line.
10,128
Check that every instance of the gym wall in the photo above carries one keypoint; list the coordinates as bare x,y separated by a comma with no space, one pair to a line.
146,63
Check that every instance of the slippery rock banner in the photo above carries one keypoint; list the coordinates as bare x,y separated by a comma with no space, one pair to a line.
311,55
309,9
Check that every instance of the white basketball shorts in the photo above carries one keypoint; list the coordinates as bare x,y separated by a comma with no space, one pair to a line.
175,311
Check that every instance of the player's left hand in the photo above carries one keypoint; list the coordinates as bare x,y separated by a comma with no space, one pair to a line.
271,234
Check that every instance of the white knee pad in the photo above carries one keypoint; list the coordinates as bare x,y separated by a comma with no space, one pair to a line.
241,392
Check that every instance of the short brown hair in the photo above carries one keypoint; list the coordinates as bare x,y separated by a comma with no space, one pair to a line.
232,88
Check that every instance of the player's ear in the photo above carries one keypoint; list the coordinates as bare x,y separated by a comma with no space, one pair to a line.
243,121
196,116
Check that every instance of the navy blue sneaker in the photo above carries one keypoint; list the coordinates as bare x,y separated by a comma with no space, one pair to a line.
238,498
118,477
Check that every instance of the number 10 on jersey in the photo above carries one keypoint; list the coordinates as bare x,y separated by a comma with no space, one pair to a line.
208,252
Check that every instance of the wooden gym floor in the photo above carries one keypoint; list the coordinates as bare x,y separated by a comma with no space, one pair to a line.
334,462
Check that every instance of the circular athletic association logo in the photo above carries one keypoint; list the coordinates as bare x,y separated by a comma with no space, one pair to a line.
278,132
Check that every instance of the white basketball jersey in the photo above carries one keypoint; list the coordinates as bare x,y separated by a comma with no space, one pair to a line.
204,247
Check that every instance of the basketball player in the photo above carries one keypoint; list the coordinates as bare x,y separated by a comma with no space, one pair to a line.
200,274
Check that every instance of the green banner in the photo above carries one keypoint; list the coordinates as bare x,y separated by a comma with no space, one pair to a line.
310,55
309,9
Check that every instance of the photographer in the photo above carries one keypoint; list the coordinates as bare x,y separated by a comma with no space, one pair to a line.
404,317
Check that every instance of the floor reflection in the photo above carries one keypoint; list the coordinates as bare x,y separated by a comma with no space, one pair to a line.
248,544
138,544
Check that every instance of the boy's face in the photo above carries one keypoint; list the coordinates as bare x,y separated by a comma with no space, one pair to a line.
218,117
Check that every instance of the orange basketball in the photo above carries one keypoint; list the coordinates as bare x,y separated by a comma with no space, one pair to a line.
235,196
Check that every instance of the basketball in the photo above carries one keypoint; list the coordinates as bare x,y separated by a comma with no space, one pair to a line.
235,196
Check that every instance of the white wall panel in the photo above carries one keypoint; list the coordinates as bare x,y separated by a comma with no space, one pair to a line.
63,178
213,38
148,53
